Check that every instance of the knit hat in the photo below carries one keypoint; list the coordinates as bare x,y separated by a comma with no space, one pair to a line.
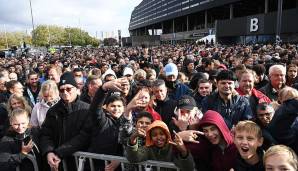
67,78
171,69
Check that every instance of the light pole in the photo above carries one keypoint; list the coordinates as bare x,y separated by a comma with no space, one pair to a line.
278,22
5,34
32,22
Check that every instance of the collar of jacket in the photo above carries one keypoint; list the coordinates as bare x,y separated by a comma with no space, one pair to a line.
65,109
159,102
243,164
233,100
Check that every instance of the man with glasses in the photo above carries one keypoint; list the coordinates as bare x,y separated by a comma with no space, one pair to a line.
66,127
265,113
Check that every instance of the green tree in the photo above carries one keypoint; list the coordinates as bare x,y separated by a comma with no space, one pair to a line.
14,39
45,35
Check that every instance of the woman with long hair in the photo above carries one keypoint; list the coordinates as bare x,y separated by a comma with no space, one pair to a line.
48,97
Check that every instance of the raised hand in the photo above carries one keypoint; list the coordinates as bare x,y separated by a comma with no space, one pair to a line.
178,142
115,85
138,133
182,122
190,135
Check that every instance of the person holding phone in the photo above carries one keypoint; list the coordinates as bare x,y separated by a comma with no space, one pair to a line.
19,141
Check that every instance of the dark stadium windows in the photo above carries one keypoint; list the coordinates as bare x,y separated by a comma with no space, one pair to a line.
197,21
180,24
248,7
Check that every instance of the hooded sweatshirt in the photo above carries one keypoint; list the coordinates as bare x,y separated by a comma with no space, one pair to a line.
167,153
220,159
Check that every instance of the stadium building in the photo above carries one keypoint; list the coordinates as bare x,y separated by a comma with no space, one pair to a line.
231,21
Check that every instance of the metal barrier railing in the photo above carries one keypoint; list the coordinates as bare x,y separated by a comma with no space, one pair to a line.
80,158
33,160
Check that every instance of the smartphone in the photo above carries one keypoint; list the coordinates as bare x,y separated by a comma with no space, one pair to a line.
26,140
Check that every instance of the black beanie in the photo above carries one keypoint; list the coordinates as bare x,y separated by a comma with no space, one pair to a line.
67,78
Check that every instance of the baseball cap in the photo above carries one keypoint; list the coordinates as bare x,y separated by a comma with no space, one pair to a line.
186,102
171,69
127,71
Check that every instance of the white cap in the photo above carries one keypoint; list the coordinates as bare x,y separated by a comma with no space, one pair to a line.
127,71
108,72
171,69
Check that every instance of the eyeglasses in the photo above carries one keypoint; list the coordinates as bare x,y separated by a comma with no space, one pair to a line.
68,89
262,115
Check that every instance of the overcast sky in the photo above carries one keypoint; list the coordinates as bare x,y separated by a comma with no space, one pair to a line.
91,15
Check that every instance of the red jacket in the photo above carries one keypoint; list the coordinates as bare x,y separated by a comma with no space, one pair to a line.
259,95
213,155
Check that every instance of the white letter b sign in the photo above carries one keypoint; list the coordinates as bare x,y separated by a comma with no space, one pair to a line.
254,25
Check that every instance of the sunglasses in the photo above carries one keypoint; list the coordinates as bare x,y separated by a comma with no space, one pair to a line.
68,89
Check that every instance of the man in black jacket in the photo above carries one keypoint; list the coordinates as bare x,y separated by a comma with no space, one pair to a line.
66,127
164,105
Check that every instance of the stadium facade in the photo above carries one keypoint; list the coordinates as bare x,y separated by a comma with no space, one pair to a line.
232,21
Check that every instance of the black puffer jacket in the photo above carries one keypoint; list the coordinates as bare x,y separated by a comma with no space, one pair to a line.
283,126
166,109
105,132
10,151
66,130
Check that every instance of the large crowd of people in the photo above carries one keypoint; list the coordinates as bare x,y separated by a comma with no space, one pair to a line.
202,107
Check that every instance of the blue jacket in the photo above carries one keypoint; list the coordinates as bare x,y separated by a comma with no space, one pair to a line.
180,90
236,110
282,125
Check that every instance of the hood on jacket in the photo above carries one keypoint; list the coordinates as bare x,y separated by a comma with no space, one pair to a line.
157,124
214,118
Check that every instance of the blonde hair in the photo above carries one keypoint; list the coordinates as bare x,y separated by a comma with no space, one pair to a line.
140,72
50,86
25,103
287,93
249,126
282,149
248,71
18,112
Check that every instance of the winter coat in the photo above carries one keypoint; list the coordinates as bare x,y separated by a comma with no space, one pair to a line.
168,153
211,157
66,130
180,90
282,126
242,165
166,109
237,109
10,151
270,92
254,99
105,129
39,112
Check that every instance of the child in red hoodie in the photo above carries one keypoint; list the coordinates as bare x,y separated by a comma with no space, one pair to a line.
214,150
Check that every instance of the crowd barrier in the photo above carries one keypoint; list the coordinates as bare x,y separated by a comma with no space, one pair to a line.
33,160
81,158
